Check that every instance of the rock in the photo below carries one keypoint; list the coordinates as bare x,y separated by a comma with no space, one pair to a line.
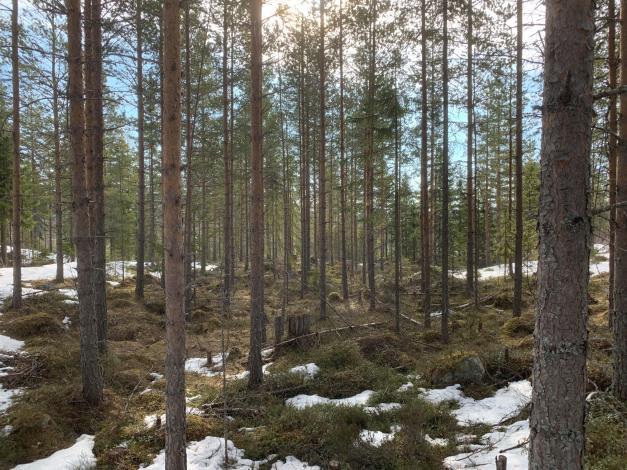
467,370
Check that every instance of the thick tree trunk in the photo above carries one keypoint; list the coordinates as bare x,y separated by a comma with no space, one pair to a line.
517,308
369,170
620,281
91,372
257,228
173,239
15,188
425,237
141,239
397,219
322,180
559,372
445,160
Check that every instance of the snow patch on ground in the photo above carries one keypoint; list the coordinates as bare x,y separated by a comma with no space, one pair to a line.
309,371
305,401
495,443
10,345
405,387
208,454
151,420
436,441
506,403
80,455
378,438
198,365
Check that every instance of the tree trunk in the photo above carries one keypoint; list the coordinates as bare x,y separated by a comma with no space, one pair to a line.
58,207
173,242
256,167
397,218
189,188
612,148
342,165
91,372
369,177
425,250
445,159
228,173
15,191
517,307
322,233
139,278
558,411
470,236
620,281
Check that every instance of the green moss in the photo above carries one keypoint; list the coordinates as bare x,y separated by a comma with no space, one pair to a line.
519,326
34,324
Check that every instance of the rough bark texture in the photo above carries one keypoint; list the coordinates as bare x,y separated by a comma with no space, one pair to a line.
620,268
559,371
257,225
228,171
612,148
15,188
425,249
189,187
141,239
470,229
322,179
517,307
173,240
369,170
445,159
91,372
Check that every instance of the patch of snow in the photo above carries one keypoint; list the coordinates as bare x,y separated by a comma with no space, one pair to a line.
208,454
309,371
80,455
495,443
155,376
382,408
67,322
6,430
6,397
151,420
405,387
198,365
378,438
436,441
305,401
506,402
10,345
145,391
244,374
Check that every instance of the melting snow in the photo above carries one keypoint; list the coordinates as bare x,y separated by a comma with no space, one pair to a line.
80,455
495,443
208,454
309,371
198,365
436,441
405,387
378,438
305,401
506,402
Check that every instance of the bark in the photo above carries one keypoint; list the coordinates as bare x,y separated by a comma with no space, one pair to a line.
257,218
397,221
612,147
189,188
322,233
620,268
91,372
425,237
228,172
517,307
342,165
559,373
286,204
141,239
58,207
15,188
470,236
173,241
369,170
445,162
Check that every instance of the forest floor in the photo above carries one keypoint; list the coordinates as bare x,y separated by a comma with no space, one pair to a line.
363,398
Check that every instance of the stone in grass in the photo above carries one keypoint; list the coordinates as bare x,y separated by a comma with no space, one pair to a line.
459,370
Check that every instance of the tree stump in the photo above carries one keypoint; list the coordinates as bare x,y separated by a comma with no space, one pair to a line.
501,462
298,325
278,329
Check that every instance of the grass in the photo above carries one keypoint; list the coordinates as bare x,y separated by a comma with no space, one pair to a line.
52,409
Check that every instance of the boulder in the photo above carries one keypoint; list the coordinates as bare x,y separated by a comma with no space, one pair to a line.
465,370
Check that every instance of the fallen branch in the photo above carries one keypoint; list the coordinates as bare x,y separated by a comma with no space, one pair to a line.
317,334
